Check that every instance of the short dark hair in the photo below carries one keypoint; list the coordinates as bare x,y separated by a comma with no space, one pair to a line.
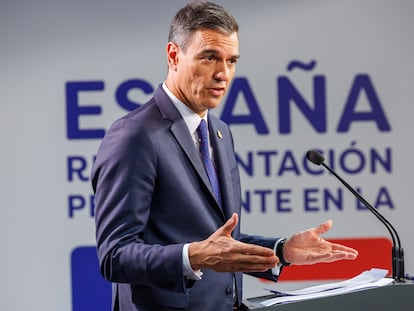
200,15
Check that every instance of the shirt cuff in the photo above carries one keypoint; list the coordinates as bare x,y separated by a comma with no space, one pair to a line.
276,270
188,272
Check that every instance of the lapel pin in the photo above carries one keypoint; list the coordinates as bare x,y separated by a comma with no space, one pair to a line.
219,134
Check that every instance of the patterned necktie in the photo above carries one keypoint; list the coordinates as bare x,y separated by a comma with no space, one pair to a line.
205,156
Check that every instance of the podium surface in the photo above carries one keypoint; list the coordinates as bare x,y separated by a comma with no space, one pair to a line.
389,297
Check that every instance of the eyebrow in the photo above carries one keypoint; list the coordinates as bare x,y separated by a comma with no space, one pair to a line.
212,51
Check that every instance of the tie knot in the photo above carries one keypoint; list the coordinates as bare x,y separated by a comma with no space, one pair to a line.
202,126
202,131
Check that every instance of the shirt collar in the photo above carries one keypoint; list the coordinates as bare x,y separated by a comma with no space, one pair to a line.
191,119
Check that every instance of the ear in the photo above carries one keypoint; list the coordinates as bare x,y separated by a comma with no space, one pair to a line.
172,55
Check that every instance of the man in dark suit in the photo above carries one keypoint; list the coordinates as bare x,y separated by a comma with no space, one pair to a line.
167,226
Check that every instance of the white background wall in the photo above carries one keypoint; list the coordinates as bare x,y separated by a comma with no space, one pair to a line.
44,44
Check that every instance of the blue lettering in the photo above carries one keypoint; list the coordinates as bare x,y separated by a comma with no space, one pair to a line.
288,164
329,198
76,203
246,204
358,158
77,165
288,93
308,199
267,155
241,86
262,194
362,83
384,199
121,94
79,203
248,167
386,162
74,110
282,201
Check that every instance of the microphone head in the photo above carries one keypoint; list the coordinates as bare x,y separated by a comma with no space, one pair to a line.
315,157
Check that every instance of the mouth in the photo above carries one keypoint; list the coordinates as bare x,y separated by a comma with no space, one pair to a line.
217,91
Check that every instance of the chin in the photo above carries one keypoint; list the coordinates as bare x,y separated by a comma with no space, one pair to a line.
213,104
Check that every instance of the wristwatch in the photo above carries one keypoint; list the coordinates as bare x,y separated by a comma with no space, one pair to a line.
279,252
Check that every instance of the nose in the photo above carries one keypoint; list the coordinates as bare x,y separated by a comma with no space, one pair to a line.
222,72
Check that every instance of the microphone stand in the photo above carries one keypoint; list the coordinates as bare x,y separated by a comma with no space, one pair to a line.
397,252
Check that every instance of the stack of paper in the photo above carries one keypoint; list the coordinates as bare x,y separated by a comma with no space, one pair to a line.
367,279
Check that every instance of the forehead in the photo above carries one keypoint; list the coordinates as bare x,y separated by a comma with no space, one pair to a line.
214,40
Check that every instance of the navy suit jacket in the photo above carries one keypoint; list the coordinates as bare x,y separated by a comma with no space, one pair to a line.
152,195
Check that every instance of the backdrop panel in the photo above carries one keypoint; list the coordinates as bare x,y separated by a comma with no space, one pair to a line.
336,76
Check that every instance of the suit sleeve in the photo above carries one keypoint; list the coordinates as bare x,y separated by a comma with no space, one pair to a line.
123,178
265,242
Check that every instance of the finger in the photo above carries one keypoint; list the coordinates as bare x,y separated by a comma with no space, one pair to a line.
327,257
252,249
343,248
243,268
229,226
251,267
338,252
340,255
322,228
247,262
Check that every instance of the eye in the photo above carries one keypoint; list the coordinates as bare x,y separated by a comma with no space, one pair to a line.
233,61
210,57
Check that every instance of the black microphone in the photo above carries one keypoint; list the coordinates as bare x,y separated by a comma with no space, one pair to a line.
397,251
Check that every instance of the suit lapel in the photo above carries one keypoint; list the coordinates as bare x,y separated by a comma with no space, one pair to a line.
180,131
220,158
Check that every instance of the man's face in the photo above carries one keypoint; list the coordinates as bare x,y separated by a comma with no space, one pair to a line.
201,75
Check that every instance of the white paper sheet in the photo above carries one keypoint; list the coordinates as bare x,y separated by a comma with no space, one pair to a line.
367,279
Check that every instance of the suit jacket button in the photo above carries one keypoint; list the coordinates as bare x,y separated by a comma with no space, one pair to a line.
229,290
